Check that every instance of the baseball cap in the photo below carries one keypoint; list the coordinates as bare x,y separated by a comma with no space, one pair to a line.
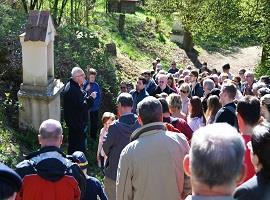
10,177
80,159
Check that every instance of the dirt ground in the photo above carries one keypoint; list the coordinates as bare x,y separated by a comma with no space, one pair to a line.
240,57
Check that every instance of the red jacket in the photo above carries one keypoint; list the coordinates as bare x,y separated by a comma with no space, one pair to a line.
250,171
36,188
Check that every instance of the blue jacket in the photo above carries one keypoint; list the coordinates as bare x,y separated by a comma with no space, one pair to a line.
137,97
94,87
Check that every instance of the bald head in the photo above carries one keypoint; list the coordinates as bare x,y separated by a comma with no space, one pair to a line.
50,129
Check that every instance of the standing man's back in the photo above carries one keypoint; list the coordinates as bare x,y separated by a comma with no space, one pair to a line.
150,167
117,138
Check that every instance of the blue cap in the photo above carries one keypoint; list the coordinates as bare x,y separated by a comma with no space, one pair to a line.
80,159
10,177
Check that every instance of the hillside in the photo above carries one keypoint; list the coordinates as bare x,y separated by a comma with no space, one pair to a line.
144,39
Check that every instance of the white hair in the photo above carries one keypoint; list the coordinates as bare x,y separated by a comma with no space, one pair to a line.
216,154
75,71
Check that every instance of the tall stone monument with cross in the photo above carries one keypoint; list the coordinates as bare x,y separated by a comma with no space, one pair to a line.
39,94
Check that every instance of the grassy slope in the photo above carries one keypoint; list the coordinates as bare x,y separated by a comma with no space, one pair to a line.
142,41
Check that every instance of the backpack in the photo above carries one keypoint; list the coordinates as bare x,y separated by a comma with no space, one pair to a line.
53,184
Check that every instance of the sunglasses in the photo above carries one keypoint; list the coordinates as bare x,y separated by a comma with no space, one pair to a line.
183,91
161,82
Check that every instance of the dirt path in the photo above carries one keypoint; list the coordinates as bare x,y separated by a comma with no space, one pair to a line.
241,57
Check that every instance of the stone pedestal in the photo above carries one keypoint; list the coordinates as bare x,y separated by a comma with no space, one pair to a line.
38,105
181,36
39,94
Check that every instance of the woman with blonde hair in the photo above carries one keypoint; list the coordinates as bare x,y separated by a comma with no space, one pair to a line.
213,105
184,93
175,106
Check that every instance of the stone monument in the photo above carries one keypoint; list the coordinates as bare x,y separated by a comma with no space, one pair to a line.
180,35
39,94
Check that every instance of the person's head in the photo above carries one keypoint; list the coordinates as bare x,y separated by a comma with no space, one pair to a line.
81,160
154,65
149,110
265,79
241,73
194,74
215,78
237,81
256,86
107,119
173,64
124,103
130,86
248,111
78,75
175,103
215,162
162,81
50,133
208,85
222,77
226,68
123,86
92,73
147,75
141,83
187,79
180,82
170,80
184,90
249,77
10,183
195,107
159,67
165,106
260,149
265,107
263,91
227,93
186,72
213,105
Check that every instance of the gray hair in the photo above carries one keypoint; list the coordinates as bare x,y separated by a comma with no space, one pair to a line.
150,110
216,154
75,71
209,83
50,129
125,99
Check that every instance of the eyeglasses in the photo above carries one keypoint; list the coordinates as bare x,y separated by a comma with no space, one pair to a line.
81,75
183,91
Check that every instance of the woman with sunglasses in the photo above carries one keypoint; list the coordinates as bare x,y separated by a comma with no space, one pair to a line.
258,187
184,93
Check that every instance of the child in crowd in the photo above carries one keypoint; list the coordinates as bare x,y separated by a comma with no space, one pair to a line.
107,120
93,186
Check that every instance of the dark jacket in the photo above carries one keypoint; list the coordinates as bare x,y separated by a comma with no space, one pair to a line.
76,104
168,90
94,189
151,86
256,188
117,138
137,97
94,87
197,90
51,164
227,114
180,125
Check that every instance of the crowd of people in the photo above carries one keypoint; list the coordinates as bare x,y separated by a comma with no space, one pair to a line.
178,134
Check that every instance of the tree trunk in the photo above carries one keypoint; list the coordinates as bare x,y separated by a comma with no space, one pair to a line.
121,23
25,6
